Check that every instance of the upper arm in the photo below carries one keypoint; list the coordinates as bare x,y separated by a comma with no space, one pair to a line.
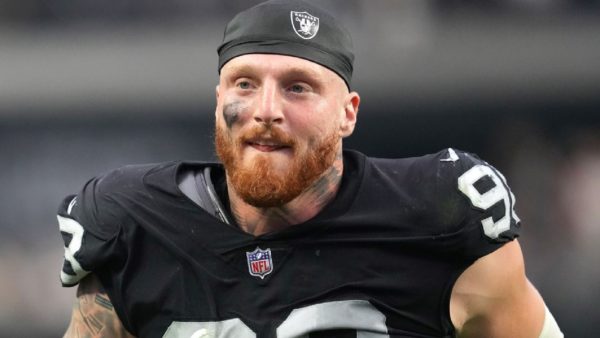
493,298
93,314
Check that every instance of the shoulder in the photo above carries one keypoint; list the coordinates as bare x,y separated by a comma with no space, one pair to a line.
450,191
427,184
444,165
129,178
103,202
91,222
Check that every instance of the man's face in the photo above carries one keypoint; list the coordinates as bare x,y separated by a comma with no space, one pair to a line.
279,124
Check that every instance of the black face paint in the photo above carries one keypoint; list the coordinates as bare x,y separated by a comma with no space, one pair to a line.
231,113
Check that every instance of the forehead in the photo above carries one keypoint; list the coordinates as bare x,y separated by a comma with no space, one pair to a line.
278,64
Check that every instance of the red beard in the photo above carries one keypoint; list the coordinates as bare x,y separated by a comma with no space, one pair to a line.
258,183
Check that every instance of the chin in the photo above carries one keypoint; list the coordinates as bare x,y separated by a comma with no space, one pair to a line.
280,160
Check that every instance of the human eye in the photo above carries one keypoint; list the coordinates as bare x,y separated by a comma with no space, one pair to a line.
298,88
243,84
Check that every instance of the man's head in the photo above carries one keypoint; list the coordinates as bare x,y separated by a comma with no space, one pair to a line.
283,103
290,27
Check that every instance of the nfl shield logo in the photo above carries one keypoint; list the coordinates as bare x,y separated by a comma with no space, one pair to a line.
305,25
260,262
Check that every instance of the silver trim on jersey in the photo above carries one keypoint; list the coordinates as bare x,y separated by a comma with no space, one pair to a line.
198,187
219,209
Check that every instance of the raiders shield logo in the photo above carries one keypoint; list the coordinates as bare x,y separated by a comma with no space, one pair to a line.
260,262
305,25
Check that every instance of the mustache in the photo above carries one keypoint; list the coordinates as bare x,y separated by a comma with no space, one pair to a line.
267,133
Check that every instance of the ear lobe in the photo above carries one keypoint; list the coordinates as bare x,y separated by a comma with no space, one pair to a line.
217,92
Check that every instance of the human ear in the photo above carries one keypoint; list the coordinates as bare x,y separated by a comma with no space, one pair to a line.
351,103
216,100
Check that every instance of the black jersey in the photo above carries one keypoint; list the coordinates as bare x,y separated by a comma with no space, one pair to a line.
379,261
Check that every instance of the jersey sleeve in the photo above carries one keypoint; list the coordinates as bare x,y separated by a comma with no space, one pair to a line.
488,205
89,224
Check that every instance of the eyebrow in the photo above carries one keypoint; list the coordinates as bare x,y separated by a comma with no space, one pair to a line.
289,73
297,72
243,69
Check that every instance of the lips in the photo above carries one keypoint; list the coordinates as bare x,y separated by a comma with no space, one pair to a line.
266,146
267,139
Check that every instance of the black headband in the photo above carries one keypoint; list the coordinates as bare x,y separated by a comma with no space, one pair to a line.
294,28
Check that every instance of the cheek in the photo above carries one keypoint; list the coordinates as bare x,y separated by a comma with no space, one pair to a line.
321,124
317,116
313,134
232,112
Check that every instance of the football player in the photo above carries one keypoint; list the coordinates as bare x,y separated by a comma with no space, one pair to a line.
290,235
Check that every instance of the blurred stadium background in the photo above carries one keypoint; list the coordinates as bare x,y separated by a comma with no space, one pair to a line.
87,86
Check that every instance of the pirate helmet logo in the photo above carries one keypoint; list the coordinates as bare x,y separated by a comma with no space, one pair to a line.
305,25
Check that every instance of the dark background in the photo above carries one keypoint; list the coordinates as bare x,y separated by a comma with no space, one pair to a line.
88,86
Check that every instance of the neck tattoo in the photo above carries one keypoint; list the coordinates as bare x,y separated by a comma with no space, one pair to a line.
259,221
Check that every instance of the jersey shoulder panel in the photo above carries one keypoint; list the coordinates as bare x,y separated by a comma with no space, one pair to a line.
446,193
489,220
422,191
491,201
101,205
91,222
473,193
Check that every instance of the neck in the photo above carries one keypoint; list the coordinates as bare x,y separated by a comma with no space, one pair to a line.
310,202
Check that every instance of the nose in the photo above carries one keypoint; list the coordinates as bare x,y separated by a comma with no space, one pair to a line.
269,109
